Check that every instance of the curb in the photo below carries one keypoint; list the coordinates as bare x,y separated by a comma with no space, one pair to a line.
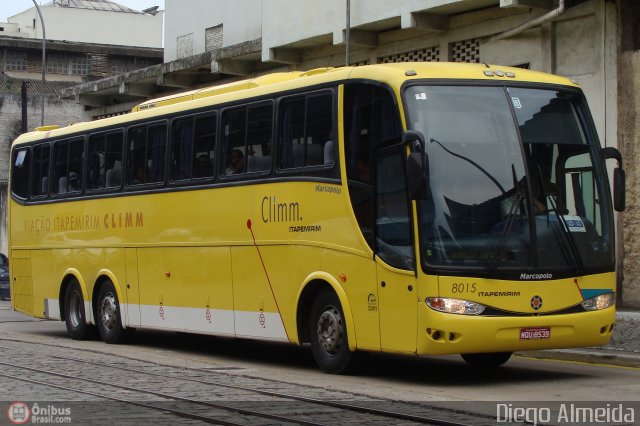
610,357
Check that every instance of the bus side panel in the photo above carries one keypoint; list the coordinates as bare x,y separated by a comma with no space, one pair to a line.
186,289
132,308
254,285
22,282
47,290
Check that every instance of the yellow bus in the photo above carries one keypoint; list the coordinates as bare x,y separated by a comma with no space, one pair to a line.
412,208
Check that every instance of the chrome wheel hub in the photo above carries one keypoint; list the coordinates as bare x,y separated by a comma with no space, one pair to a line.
330,330
108,311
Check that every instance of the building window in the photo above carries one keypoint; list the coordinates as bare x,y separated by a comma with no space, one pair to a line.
142,63
465,51
213,38
80,65
58,64
16,61
184,46
118,66
429,54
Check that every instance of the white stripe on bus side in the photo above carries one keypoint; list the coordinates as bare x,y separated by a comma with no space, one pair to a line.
261,325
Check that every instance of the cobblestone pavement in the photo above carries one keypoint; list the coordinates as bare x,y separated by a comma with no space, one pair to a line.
160,372
87,382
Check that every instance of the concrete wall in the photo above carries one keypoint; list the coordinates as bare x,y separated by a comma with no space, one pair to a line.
582,45
285,22
56,111
630,141
93,26
241,19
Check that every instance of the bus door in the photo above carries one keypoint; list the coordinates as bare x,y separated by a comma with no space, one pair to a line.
395,263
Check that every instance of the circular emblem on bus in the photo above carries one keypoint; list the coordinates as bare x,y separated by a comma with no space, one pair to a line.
536,302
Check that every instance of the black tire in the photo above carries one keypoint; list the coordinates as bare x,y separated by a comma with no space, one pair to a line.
108,316
487,360
74,314
328,334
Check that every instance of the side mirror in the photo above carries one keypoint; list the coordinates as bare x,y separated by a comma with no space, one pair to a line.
619,184
417,165
619,198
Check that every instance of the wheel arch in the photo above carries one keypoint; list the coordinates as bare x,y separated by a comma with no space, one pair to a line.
313,285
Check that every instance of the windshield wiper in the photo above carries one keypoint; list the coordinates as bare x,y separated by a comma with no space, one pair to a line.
503,238
473,163
502,241
567,233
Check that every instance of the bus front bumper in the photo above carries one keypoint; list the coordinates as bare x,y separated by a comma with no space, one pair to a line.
441,333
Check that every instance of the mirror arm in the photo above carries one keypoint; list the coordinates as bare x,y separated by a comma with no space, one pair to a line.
610,152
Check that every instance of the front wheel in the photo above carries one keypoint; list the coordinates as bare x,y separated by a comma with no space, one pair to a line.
108,315
487,360
328,331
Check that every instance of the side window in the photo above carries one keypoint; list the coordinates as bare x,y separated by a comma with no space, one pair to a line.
67,167
259,133
247,139
306,131
193,147
146,154
182,149
20,173
371,118
40,172
234,126
105,160
204,146
393,225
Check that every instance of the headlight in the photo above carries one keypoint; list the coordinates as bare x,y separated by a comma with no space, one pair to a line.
599,302
454,306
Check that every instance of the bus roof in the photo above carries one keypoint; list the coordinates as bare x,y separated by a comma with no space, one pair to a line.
394,74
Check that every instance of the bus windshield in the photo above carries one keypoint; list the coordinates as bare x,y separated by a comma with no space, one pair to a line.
514,182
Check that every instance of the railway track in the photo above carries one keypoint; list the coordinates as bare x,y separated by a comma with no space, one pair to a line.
212,397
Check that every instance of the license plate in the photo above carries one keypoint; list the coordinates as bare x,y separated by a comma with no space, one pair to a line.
535,333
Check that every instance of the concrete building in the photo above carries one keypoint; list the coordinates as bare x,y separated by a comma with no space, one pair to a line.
89,21
85,42
595,42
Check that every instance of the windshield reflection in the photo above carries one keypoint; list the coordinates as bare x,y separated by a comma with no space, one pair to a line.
489,194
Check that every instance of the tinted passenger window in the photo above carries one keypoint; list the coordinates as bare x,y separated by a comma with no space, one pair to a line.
146,161
67,168
247,139
306,131
371,119
193,147
40,173
393,224
20,173
105,160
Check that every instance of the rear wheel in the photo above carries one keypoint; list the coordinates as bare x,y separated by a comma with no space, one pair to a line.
328,332
108,315
74,313
487,360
